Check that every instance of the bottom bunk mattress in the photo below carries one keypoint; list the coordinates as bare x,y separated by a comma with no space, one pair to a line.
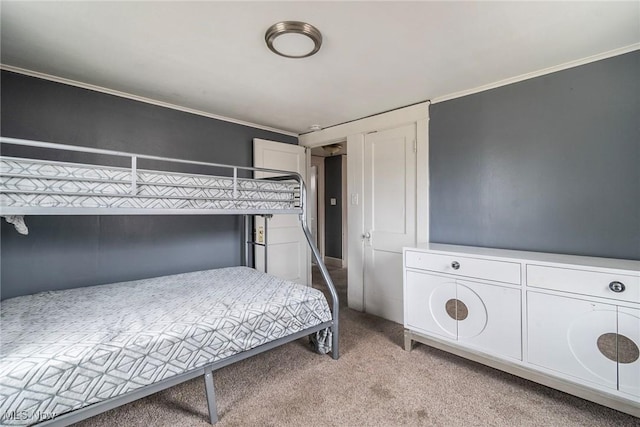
64,350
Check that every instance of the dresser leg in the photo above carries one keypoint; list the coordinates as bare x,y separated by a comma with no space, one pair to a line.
408,342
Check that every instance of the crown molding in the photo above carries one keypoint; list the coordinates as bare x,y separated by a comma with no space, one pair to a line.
544,71
120,94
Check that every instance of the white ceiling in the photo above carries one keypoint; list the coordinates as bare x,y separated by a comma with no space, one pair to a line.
376,56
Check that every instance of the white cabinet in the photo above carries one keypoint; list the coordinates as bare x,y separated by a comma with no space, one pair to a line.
568,322
426,299
592,340
564,335
484,316
589,340
585,282
464,266
628,350
494,320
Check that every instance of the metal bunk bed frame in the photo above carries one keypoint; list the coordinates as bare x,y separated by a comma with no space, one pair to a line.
206,371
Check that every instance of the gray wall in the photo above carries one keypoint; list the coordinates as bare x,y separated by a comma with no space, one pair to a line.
333,214
72,251
550,164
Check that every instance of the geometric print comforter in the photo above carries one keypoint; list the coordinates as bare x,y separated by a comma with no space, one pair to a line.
58,185
64,350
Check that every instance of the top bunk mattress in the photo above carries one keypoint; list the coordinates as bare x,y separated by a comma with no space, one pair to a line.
64,350
31,186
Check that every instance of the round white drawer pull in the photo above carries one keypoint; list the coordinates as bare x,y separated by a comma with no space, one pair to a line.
617,286
455,265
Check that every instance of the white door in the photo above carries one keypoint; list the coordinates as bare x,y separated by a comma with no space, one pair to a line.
288,254
389,217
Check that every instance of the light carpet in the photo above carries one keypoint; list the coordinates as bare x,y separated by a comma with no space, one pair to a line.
374,383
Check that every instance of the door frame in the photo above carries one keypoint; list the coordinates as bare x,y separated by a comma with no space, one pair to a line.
354,132
320,199
345,208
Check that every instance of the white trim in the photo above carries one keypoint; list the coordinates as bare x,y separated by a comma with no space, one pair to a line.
355,219
101,89
318,161
422,180
305,174
544,71
390,119
344,201
310,139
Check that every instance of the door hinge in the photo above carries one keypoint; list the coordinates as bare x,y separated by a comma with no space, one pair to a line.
415,146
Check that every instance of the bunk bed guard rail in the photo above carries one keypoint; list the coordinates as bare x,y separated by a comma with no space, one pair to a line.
32,186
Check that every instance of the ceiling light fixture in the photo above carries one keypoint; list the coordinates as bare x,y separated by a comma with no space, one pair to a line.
332,149
293,39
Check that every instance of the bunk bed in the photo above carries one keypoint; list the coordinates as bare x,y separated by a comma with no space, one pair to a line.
70,354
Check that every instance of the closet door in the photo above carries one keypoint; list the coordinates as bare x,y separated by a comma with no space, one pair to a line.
389,216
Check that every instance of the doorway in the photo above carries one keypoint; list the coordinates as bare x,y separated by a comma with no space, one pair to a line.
355,133
328,178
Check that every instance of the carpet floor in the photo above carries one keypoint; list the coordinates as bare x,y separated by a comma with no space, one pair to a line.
374,383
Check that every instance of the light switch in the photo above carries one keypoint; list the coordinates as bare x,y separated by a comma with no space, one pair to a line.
354,199
260,234
333,201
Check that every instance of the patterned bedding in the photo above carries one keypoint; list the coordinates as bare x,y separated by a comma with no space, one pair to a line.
48,184
64,350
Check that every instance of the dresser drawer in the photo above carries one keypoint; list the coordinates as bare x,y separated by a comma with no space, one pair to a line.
500,271
584,282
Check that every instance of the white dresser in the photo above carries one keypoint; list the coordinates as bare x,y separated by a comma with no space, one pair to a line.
569,322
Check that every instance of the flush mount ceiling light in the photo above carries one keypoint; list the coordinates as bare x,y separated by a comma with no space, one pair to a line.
293,39
332,149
